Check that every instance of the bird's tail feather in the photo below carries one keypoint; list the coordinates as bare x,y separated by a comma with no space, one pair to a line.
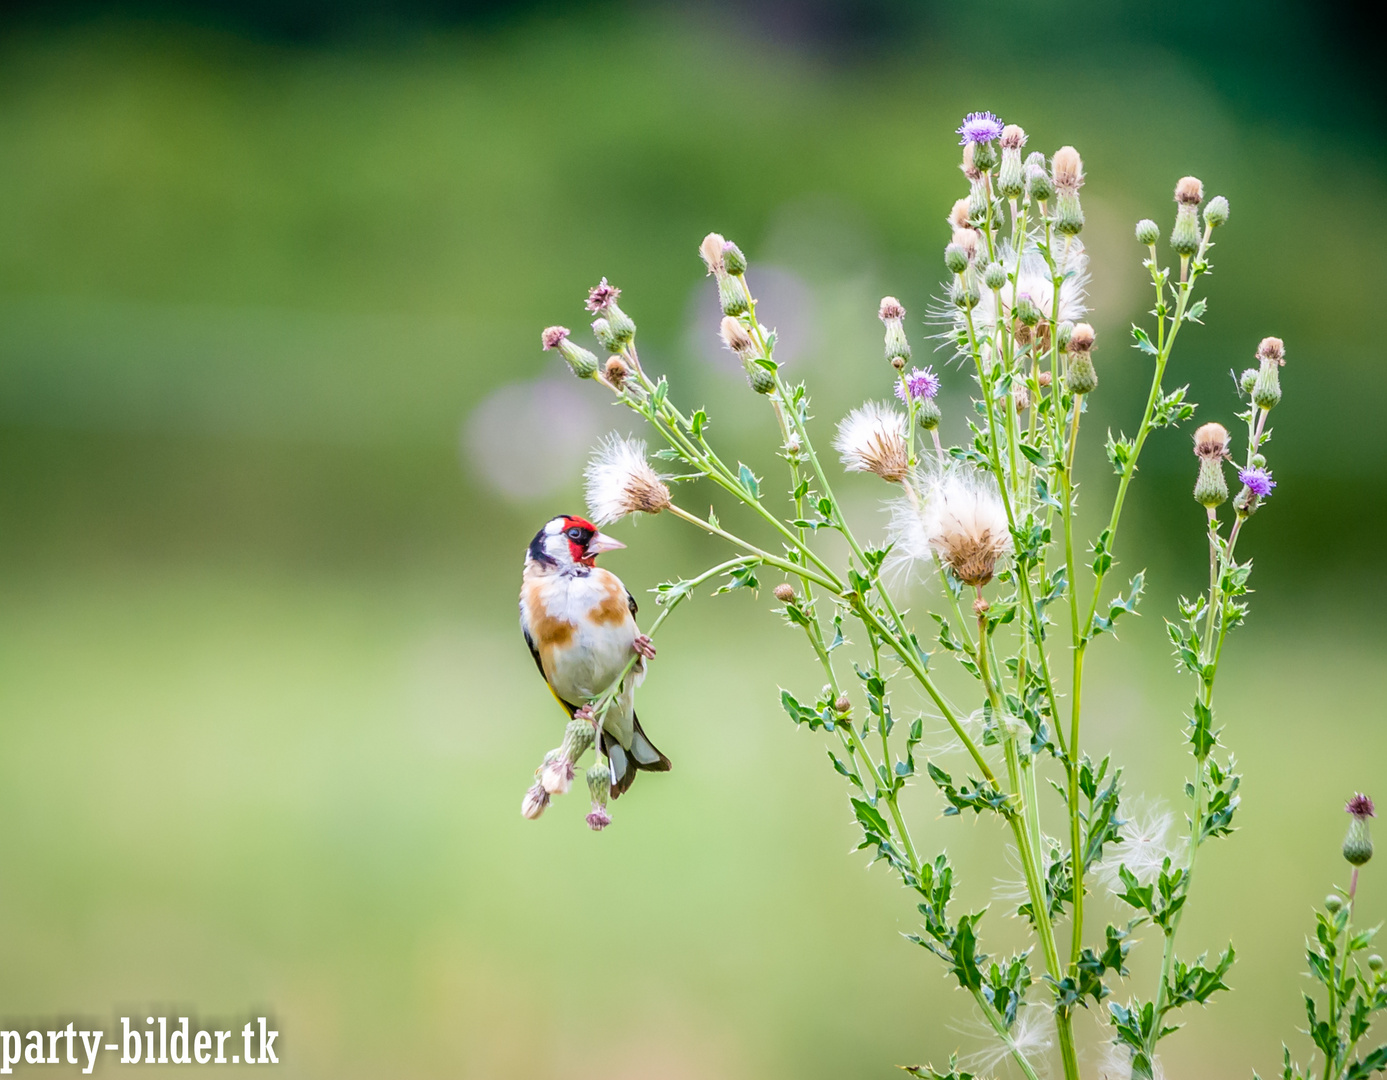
643,756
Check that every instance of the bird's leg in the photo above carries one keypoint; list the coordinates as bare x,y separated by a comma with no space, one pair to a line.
584,712
644,646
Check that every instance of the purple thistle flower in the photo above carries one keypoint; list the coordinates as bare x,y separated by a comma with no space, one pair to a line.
919,384
1361,807
979,127
1258,481
601,296
599,819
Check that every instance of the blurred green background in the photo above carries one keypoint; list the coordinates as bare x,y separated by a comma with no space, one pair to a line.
275,429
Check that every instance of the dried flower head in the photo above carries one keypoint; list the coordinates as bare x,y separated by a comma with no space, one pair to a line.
599,818
1211,441
1257,480
958,216
1081,338
920,383
1272,348
1013,137
959,518
619,481
1361,807
1189,191
616,371
1067,169
602,296
553,336
969,165
784,592
710,251
890,309
872,439
736,338
979,127
556,775
535,802
969,242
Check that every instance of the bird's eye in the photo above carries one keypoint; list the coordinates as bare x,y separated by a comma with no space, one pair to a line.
575,534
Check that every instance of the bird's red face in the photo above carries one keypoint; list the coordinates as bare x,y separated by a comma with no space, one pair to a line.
572,540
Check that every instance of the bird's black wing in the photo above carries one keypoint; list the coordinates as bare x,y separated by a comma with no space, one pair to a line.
631,602
529,641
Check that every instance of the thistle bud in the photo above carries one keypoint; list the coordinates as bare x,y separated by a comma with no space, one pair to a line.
1211,487
1038,183
599,778
1266,390
1148,233
1021,397
1184,237
732,295
892,315
977,203
970,242
927,413
535,802
984,155
965,294
1358,844
758,378
1027,310
736,338
994,276
601,301
1248,379
1062,334
733,259
1259,461
955,261
602,330
1081,338
1211,441
958,216
1011,178
1216,213
1375,962
577,737
1044,379
581,362
1081,378
785,592
1333,903
616,371
842,705
969,164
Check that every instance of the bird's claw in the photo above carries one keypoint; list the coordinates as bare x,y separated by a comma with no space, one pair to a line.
584,713
644,646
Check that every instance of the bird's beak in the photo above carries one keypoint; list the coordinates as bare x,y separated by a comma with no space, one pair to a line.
601,542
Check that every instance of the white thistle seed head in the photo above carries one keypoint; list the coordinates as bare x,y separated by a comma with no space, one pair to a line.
954,514
872,439
1033,282
619,481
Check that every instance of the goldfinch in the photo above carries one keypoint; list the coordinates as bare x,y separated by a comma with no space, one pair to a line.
579,622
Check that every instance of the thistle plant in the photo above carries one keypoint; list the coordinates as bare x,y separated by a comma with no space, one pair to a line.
984,522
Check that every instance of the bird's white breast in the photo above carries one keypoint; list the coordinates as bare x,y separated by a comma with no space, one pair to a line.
603,632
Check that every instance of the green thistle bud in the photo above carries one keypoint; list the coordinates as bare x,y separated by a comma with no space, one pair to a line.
977,203
984,156
964,294
1216,213
733,259
1375,962
1333,903
1038,182
1211,488
758,378
1266,391
1248,379
1069,215
1148,233
892,315
1027,310
1184,238
1259,461
927,413
1063,332
1081,378
732,294
606,337
1011,179
955,259
577,737
580,361
623,327
995,276
599,779
1358,844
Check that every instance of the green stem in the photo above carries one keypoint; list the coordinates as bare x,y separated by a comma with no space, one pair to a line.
1002,1033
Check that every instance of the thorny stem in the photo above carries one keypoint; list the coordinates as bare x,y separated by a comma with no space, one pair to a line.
1000,1028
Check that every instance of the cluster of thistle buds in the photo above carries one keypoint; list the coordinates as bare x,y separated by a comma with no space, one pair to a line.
555,776
743,336
614,330
1262,385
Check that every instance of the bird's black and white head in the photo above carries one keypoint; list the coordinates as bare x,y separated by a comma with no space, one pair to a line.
569,544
